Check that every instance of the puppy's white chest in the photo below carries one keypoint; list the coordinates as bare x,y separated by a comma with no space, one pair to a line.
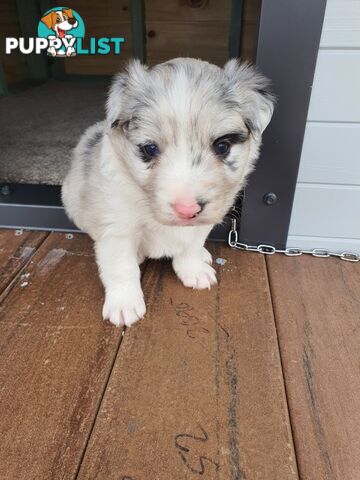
165,241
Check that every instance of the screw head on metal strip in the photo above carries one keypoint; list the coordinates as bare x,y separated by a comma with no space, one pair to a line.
270,198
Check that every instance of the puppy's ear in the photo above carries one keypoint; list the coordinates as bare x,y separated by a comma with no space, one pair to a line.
131,80
68,12
49,20
252,93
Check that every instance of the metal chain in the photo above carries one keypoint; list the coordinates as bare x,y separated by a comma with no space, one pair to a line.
290,251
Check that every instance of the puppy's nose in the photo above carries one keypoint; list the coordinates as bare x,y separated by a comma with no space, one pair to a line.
187,211
72,20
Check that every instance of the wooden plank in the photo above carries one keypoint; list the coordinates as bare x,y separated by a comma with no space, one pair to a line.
317,312
207,41
193,28
109,18
197,386
341,27
102,64
106,12
329,153
332,243
56,354
16,249
335,94
326,211
198,29
188,11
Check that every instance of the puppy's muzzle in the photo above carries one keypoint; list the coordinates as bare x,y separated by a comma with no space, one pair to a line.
186,211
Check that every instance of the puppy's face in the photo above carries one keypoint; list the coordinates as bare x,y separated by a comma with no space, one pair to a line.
189,133
61,21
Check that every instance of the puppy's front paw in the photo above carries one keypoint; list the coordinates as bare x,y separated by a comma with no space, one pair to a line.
194,272
206,256
124,306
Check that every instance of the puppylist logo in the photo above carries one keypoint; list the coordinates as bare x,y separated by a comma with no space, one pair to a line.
61,32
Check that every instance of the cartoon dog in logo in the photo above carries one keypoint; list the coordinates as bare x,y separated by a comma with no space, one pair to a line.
60,21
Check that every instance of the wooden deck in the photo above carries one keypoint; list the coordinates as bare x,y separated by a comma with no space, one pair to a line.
257,379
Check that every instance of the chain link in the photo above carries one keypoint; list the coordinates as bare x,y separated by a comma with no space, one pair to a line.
290,251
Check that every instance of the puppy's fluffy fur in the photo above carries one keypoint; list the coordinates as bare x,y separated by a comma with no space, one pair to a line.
124,198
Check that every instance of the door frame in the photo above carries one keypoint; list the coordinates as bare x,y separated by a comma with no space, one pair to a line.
289,29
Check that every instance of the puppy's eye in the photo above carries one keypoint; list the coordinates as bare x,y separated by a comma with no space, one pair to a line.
221,147
58,19
150,150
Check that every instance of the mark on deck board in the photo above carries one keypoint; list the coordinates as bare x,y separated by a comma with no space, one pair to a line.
186,313
185,452
315,410
232,383
51,259
220,261
232,418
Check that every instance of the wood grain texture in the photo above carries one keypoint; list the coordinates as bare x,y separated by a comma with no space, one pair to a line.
187,10
207,41
103,13
174,28
55,357
16,250
197,386
102,19
198,29
317,304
